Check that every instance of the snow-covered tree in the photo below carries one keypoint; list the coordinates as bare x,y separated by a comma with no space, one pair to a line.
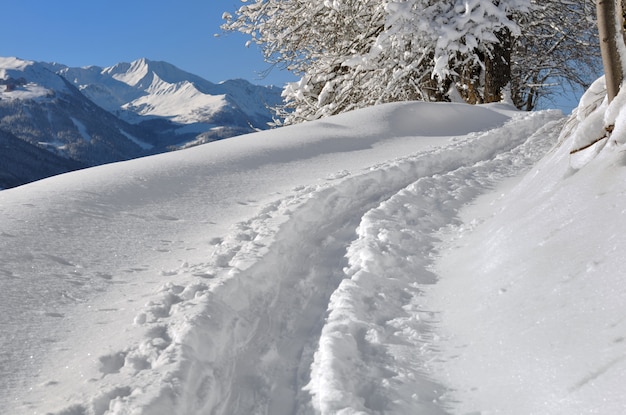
314,39
356,53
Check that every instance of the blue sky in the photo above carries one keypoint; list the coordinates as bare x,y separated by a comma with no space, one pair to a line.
103,33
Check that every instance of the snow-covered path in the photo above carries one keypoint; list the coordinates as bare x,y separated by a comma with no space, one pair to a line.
216,280
377,315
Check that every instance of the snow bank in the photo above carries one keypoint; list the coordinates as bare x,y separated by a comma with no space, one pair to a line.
530,298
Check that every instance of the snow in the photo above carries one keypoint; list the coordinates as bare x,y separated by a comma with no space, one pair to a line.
181,102
37,76
132,74
545,257
137,141
82,129
56,145
12,63
405,258
26,92
377,316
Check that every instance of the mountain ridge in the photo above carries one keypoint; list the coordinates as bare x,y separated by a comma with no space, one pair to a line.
139,88
94,115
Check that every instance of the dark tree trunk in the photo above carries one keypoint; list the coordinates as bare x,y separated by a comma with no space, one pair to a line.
498,67
470,80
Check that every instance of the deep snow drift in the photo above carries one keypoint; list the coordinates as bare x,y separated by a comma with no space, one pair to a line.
348,265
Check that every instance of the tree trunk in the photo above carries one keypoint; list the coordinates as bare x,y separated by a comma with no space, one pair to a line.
470,81
609,11
498,67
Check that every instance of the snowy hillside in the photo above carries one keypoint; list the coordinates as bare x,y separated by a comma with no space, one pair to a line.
22,162
36,80
406,258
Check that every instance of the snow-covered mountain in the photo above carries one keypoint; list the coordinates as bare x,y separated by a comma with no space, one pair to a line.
146,90
90,116
43,109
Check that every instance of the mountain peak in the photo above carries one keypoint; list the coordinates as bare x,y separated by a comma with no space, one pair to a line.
140,73
14,63
133,74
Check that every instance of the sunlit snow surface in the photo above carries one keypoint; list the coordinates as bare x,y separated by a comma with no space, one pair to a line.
348,265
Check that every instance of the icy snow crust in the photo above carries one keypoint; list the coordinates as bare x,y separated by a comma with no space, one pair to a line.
229,279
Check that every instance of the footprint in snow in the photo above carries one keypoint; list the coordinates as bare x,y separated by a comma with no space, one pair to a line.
167,217
338,175
111,363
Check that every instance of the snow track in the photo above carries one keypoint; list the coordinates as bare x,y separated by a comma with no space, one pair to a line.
281,321
377,316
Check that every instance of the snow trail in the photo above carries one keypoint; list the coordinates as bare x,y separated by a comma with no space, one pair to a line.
242,337
377,314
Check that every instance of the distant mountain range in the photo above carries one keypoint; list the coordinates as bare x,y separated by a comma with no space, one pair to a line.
67,118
